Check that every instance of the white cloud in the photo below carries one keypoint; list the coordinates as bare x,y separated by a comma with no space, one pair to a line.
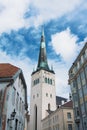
52,10
65,44
12,12
61,78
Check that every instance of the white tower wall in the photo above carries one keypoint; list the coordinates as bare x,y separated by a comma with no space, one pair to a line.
42,94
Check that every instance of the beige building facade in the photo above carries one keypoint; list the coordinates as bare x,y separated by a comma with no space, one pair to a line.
61,119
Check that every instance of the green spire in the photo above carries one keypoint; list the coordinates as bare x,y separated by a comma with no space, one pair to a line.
42,61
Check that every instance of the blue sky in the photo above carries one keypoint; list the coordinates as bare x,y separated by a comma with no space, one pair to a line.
21,23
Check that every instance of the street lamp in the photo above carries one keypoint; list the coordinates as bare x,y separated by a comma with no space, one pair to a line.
12,116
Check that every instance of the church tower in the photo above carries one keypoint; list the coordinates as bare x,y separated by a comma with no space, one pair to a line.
43,96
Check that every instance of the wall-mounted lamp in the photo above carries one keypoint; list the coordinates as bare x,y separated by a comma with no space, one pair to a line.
12,116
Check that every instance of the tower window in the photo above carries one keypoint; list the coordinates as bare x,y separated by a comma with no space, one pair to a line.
33,96
46,94
45,80
49,106
51,95
48,81
37,95
36,81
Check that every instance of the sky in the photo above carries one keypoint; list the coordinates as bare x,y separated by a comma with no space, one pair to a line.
65,27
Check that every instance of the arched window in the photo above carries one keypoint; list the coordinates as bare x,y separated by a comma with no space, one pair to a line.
35,126
45,80
48,81
46,94
48,106
51,81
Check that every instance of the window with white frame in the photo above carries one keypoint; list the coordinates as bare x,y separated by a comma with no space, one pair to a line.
69,126
69,115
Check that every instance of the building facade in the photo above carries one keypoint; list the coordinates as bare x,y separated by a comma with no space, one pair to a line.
43,95
13,98
61,119
78,84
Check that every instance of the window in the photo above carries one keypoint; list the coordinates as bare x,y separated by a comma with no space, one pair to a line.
84,56
81,100
17,101
73,86
49,106
86,53
53,119
86,105
69,115
69,126
13,95
20,105
75,100
45,80
37,95
36,81
75,69
85,90
51,95
1,94
78,82
82,60
46,94
33,96
78,65
50,81
82,109
76,112
80,93
83,78
86,71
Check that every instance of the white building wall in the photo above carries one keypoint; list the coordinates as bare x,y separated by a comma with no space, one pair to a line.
9,106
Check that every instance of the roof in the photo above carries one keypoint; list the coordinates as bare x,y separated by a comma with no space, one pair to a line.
42,59
7,70
59,100
68,104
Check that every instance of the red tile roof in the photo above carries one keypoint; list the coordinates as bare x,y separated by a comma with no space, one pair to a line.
7,70
68,104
